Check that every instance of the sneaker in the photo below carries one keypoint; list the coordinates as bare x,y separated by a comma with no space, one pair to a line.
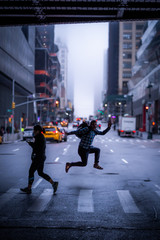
55,186
97,166
67,166
26,190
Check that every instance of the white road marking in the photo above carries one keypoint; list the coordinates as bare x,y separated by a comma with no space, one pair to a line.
157,186
137,140
127,202
37,183
143,146
124,140
106,145
125,161
110,140
15,149
56,160
42,201
6,197
85,201
117,140
111,150
158,193
65,149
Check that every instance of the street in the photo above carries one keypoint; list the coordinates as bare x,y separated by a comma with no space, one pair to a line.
119,202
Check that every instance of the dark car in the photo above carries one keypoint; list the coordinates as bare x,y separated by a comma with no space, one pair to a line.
64,135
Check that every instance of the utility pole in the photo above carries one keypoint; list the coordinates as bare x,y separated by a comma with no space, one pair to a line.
13,106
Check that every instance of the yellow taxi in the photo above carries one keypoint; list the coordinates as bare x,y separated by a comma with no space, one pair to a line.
52,133
64,123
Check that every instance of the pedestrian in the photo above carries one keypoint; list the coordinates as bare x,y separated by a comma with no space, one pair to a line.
85,147
38,157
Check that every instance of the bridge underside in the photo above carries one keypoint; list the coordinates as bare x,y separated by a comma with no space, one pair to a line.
37,12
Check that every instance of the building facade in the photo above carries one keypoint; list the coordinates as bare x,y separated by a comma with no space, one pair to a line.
17,53
144,85
47,74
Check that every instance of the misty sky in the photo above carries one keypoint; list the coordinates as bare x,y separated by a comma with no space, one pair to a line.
86,44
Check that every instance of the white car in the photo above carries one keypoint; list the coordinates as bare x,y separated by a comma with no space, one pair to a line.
28,133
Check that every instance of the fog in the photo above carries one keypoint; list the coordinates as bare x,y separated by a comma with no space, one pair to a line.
86,45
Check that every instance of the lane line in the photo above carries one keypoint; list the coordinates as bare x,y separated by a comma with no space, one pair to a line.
111,150
15,149
157,186
6,197
127,202
125,161
42,201
85,201
56,160
106,145
37,183
158,193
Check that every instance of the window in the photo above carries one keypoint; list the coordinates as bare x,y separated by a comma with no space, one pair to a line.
138,36
127,74
127,26
139,26
127,45
127,55
124,87
127,36
127,65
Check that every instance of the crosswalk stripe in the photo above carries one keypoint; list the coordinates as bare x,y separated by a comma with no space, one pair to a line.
85,201
37,183
6,197
127,202
41,202
158,193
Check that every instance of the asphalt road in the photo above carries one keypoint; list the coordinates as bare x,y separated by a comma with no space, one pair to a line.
122,201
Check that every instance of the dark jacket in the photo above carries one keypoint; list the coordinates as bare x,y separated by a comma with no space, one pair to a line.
39,146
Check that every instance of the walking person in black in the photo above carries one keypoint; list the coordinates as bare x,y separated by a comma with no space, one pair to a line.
85,148
38,158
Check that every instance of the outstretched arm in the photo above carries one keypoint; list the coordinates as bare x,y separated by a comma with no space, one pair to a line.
106,130
81,131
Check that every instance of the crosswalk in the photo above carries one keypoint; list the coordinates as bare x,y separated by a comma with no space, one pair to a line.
117,140
85,200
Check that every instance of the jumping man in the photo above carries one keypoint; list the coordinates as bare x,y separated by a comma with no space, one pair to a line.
85,147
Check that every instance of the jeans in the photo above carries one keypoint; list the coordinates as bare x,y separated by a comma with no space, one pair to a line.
39,167
83,153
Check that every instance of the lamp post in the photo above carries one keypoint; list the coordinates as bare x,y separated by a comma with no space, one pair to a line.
13,106
149,112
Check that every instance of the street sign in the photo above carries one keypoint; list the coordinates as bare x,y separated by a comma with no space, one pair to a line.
9,110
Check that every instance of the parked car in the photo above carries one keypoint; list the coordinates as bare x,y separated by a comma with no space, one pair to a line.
64,123
28,133
52,133
75,124
64,134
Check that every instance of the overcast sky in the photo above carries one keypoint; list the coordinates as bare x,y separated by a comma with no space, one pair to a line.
86,45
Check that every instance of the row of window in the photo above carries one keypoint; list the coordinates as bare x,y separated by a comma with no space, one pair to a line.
128,36
128,26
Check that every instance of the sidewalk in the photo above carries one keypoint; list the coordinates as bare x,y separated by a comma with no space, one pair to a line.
144,135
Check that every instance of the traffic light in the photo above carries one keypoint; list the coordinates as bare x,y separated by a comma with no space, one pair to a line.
57,103
21,119
147,108
13,105
10,119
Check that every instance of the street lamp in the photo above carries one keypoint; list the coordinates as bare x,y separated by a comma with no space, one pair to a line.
149,111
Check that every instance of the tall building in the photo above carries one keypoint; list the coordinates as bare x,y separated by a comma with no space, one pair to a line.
47,74
144,85
130,34
63,59
17,54
124,41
